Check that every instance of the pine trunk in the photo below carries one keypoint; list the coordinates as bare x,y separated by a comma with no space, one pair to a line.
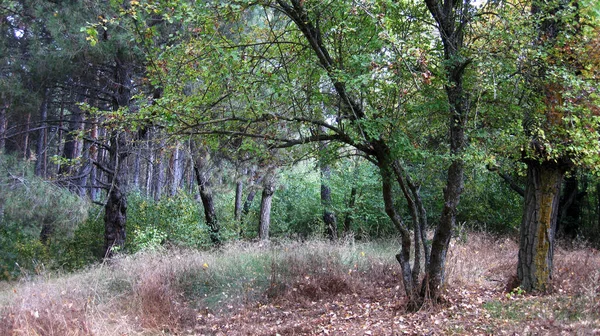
115,209
159,172
536,246
176,170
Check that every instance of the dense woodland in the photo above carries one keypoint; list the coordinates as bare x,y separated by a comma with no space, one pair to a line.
140,125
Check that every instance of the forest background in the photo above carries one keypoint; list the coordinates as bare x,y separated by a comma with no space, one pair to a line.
130,126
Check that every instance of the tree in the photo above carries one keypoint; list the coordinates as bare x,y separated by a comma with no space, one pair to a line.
265,205
302,85
560,131
544,81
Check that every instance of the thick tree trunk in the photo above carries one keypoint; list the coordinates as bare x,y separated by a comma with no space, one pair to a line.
115,210
210,215
328,214
40,163
265,208
536,246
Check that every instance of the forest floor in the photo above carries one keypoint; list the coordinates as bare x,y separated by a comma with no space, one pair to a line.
310,288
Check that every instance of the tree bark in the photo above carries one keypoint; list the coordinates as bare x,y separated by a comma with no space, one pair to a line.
536,246
176,170
149,164
93,190
237,211
404,256
210,215
137,166
451,18
265,208
70,149
328,214
115,210
544,177
413,200
159,172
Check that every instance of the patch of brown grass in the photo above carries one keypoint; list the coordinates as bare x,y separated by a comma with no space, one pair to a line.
46,310
481,259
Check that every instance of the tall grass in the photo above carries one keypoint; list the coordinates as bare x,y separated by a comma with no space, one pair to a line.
170,292
163,291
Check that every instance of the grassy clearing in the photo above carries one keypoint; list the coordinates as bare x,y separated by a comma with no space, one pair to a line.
289,287
163,291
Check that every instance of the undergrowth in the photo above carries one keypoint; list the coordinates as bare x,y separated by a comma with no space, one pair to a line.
172,291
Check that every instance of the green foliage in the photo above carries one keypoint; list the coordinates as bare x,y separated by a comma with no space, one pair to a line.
28,203
489,204
177,220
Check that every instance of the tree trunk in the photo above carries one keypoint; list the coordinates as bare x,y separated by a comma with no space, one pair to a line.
265,208
237,211
206,197
159,177
70,149
115,210
80,183
413,201
93,190
328,214
137,166
40,163
451,22
248,202
536,246
176,170
404,256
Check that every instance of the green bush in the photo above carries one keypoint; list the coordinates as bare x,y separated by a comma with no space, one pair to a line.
28,203
175,220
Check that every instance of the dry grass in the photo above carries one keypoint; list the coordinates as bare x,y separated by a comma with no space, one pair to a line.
193,292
